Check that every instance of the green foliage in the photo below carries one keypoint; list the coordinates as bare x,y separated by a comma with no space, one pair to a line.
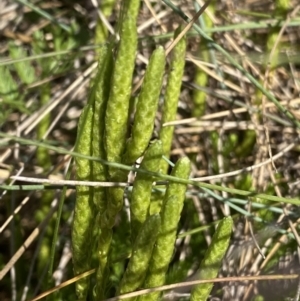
141,254
170,216
101,32
116,116
142,187
211,263
175,74
201,77
246,145
102,132
83,223
9,92
147,106
12,98
24,69
132,247
229,148
100,93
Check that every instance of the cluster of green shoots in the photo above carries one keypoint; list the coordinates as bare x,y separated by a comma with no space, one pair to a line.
103,132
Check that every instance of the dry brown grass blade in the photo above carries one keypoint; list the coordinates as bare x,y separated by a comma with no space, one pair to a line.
27,243
178,38
64,284
170,286
188,26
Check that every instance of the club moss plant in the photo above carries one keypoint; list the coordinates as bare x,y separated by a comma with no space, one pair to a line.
118,232
103,133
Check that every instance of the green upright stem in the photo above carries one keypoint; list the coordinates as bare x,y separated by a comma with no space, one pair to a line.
212,261
172,93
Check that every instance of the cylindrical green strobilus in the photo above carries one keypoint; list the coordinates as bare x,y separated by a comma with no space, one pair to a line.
171,98
170,216
142,187
212,261
83,222
146,108
141,253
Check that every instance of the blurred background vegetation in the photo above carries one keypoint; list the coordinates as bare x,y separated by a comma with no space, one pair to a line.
48,55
